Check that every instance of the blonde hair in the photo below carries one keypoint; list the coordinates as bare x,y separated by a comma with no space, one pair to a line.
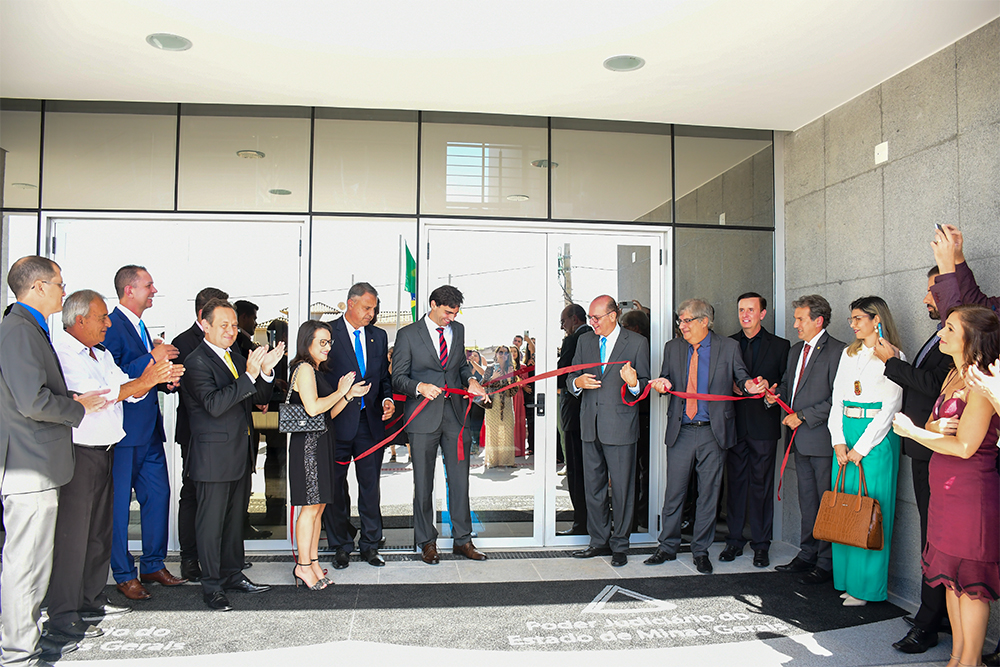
873,306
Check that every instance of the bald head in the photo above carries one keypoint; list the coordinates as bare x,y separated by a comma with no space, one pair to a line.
603,315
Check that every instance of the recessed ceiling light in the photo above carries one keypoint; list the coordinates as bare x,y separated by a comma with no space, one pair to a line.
279,191
624,63
24,186
517,197
164,41
543,164
250,155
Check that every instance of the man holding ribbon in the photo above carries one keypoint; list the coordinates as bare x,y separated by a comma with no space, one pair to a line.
361,349
699,431
429,362
609,427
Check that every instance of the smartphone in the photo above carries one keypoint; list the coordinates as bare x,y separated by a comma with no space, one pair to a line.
938,227
879,328
272,337
525,335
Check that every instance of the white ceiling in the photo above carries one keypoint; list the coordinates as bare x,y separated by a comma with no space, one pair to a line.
773,64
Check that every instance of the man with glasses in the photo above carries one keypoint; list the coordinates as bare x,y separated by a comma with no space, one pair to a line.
698,432
609,428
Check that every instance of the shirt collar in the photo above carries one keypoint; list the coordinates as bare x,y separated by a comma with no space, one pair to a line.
132,317
218,350
72,345
431,326
706,341
815,339
351,329
38,317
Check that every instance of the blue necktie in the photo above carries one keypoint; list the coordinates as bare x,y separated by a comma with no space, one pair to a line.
604,355
360,354
145,336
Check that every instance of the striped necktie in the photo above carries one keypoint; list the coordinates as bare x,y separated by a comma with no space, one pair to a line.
442,347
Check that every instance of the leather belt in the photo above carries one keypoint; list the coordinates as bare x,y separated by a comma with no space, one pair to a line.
697,424
855,412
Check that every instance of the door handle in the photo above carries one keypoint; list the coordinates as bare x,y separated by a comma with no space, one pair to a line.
538,405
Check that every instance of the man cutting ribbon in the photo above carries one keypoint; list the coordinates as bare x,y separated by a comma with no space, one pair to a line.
698,432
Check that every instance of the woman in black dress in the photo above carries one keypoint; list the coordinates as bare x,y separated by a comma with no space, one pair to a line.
310,455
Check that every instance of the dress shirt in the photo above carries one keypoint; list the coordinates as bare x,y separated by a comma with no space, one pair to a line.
222,355
84,373
38,318
875,388
704,359
928,346
798,364
609,347
432,329
364,346
134,319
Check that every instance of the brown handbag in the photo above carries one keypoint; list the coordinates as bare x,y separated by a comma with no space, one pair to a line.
847,518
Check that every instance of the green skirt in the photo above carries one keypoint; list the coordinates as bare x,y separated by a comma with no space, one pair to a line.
864,574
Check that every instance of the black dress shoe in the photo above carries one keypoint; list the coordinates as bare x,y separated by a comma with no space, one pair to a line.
53,649
619,559
373,557
574,530
916,641
247,565
190,569
817,575
247,586
660,556
730,553
797,565
217,601
73,632
253,533
703,564
760,558
992,659
341,559
97,614
910,621
590,552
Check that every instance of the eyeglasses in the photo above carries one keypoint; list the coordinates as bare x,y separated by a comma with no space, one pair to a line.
594,319
499,352
857,319
689,320
61,286
325,342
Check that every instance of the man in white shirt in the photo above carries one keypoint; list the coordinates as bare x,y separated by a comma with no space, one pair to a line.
82,551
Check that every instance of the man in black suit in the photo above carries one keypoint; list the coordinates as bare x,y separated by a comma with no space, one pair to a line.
429,356
246,313
362,348
187,507
219,388
750,463
573,321
921,385
807,386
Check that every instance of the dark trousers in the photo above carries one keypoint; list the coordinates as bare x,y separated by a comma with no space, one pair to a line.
933,607
695,449
424,450
82,553
219,527
750,468
187,508
337,515
612,525
813,476
574,477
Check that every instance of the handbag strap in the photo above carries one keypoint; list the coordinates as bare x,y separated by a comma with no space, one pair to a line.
291,384
862,487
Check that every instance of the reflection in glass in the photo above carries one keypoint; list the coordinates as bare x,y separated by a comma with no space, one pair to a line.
19,137
20,239
725,181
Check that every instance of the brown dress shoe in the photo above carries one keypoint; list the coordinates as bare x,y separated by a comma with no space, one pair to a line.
430,554
162,577
133,590
469,550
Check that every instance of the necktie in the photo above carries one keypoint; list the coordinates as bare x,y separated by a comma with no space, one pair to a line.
442,347
360,354
232,367
691,404
145,335
802,369
604,352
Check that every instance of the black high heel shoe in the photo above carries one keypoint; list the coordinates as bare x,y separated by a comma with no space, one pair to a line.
318,586
324,578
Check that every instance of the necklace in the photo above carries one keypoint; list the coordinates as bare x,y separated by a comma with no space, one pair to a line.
857,383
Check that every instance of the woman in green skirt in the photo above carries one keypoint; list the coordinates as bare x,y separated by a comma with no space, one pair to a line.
864,403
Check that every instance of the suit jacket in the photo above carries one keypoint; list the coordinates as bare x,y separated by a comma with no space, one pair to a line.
143,421
569,404
603,415
343,360
921,387
415,359
725,366
185,343
38,415
218,406
753,419
814,395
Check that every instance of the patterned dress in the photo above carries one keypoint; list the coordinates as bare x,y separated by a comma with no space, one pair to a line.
310,458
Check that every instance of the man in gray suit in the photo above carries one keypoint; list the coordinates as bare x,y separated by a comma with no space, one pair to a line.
428,357
698,432
808,381
37,414
608,427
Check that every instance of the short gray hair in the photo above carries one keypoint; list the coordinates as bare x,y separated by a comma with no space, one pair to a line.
698,308
358,290
78,304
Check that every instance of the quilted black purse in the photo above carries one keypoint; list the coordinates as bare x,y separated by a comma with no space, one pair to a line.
293,418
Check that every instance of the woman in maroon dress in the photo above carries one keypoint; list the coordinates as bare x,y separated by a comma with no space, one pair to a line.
963,522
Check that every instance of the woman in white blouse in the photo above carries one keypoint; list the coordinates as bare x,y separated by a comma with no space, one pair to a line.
864,403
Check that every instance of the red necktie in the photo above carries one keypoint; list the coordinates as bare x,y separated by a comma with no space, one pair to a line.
691,404
798,383
442,347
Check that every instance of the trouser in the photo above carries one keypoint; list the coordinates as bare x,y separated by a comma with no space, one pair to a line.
219,525
187,508
367,471
750,468
695,448
615,463
424,448
575,477
933,607
143,468
813,476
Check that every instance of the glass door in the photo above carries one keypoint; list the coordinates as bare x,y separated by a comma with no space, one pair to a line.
516,280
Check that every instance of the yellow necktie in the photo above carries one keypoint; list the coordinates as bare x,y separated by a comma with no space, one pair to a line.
232,368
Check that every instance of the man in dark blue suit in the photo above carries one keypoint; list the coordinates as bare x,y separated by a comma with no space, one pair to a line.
140,462
361,348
